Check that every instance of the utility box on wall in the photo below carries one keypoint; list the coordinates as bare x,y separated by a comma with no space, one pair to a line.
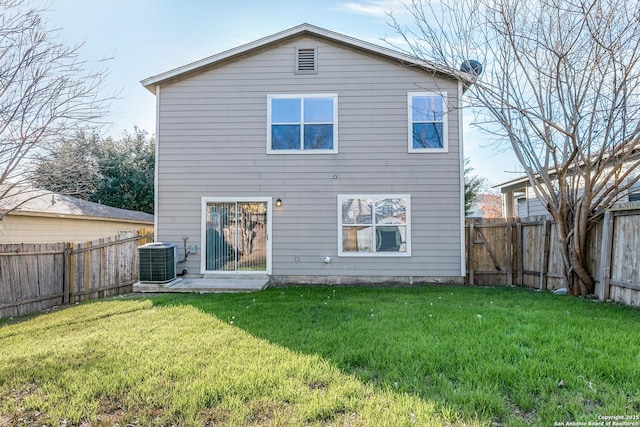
157,262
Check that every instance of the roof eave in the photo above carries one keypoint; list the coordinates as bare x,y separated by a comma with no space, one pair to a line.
60,215
512,184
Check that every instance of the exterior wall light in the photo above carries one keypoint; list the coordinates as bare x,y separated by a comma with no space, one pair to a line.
279,202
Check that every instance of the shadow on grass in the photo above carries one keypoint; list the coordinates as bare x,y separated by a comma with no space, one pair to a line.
495,354
128,362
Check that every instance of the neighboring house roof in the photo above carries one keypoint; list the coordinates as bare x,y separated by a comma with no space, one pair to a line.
303,29
521,182
518,188
45,203
513,185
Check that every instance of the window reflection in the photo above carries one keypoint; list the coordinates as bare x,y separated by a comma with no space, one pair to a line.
302,123
427,121
374,225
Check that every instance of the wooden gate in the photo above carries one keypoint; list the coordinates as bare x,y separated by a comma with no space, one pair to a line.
517,251
489,252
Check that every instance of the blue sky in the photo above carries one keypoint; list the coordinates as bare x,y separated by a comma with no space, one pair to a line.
146,37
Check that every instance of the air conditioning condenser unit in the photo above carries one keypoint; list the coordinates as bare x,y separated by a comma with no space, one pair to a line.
157,262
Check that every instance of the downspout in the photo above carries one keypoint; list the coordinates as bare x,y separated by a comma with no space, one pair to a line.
463,268
156,162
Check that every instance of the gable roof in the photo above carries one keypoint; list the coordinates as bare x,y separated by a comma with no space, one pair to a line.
45,203
303,29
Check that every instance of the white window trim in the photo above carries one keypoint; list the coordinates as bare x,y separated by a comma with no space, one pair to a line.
333,96
385,254
445,121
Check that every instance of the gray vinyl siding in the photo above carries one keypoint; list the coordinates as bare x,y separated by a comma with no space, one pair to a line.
531,205
212,143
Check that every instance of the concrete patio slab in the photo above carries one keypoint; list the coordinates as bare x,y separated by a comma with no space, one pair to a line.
205,285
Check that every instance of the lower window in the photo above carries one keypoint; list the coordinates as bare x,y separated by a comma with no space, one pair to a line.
374,225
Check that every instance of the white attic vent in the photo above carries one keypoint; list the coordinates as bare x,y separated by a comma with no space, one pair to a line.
306,60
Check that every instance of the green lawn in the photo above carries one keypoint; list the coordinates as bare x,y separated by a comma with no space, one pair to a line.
324,356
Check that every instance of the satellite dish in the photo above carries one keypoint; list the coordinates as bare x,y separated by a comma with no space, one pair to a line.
471,66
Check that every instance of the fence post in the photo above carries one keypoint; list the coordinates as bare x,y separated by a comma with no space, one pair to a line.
509,252
519,253
72,271
545,244
604,275
67,280
87,271
148,237
470,252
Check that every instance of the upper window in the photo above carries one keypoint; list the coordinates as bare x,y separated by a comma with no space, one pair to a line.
374,225
302,123
427,122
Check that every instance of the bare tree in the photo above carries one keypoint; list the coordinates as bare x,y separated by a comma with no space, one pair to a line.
45,94
560,87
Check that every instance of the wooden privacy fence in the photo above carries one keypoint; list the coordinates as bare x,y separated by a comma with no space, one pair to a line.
619,273
35,277
523,251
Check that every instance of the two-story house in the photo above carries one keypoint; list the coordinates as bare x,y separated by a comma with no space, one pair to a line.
309,156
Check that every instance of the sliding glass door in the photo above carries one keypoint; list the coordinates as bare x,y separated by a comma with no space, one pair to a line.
236,236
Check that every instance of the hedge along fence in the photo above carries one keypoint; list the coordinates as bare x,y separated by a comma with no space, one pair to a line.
36,277
523,251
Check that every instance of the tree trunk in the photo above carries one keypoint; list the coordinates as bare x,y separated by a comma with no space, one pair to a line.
582,282
562,243
573,247
578,247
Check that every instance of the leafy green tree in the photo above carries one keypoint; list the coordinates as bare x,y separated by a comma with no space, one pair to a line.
127,171
116,173
473,186
72,168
